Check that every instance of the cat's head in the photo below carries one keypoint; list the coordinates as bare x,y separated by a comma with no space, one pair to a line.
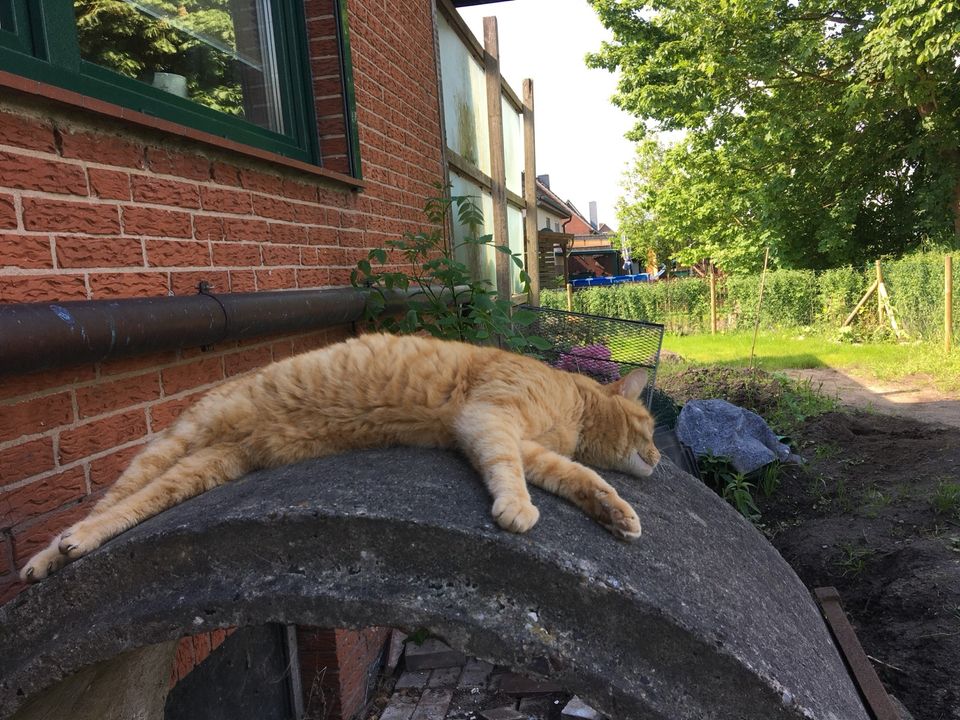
623,437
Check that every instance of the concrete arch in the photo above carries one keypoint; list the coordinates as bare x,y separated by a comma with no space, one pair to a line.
698,619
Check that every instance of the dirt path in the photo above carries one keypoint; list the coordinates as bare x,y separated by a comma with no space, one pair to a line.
914,398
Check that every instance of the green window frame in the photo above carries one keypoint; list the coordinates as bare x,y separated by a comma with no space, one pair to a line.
38,40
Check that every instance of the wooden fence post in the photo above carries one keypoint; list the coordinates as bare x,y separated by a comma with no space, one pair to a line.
713,300
530,193
498,171
569,297
879,298
948,303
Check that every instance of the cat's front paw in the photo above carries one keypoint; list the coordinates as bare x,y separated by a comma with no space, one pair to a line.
79,540
617,516
515,514
44,563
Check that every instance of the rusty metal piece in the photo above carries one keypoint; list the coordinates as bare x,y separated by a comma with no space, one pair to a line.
874,694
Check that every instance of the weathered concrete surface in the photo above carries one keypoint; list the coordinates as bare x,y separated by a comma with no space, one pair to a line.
131,686
700,618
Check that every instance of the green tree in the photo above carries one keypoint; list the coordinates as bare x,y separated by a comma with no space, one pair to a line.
828,131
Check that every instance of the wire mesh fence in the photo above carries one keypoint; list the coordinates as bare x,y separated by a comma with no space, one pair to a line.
604,348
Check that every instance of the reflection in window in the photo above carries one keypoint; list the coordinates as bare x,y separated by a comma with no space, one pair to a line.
218,53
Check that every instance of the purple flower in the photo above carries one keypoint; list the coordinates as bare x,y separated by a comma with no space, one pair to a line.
593,360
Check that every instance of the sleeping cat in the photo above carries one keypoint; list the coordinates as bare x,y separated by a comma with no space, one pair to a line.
512,416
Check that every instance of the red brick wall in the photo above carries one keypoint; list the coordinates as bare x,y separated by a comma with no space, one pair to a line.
94,207
334,667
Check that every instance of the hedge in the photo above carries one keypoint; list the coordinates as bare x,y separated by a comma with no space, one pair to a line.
791,299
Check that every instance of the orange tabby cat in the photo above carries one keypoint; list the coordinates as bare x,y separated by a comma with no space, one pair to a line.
512,416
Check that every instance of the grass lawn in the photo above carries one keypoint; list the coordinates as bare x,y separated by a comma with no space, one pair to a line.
784,349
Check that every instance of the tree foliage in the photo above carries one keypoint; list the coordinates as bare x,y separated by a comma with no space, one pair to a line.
826,130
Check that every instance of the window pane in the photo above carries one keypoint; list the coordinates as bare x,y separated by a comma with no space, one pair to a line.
219,53
6,15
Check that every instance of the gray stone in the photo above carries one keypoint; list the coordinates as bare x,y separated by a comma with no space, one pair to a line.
444,677
413,679
699,618
577,708
430,654
400,707
720,428
502,713
516,684
540,708
433,705
394,651
475,674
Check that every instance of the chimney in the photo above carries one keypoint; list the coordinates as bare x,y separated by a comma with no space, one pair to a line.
545,180
593,214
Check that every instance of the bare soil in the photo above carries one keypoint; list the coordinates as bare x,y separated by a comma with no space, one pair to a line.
863,516
874,512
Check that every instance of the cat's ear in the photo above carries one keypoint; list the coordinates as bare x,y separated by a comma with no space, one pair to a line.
630,386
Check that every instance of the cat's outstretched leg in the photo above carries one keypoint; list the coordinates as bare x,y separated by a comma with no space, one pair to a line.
581,486
192,475
489,440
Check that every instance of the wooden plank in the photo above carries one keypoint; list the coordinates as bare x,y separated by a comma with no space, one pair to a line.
498,171
888,308
530,193
863,300
858,662
947,303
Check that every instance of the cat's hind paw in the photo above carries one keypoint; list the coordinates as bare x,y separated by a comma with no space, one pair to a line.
44,563
515,514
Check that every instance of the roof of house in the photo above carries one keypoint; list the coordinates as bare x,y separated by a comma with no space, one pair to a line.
549,200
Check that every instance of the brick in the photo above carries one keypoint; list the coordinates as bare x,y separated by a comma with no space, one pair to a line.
8,212
183,661
104,149
14,385
6,562
27,132
191,375
274,208
322,235
161,191
41,214
25,460
229,254
25,251
312,277
201,647
40,497
156,222
109,184
165,414
79,251
245,360
226,174
105,470
431,654
208,227
298,191
128,284
261,182
10,587
99,435
173,253
281,255
227,201
309,214
169,162
186,283
32,173
279,279
36,536
246,229
123,366
242,281
35,416
102,398
288,234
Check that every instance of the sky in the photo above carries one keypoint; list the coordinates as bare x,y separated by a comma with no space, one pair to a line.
579,133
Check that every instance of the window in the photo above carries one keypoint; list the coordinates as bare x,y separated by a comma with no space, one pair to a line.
233,68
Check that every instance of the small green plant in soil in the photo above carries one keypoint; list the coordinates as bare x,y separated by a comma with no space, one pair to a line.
853,559
443,296
734,487
946,500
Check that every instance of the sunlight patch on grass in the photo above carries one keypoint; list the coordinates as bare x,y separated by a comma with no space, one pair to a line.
785,350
